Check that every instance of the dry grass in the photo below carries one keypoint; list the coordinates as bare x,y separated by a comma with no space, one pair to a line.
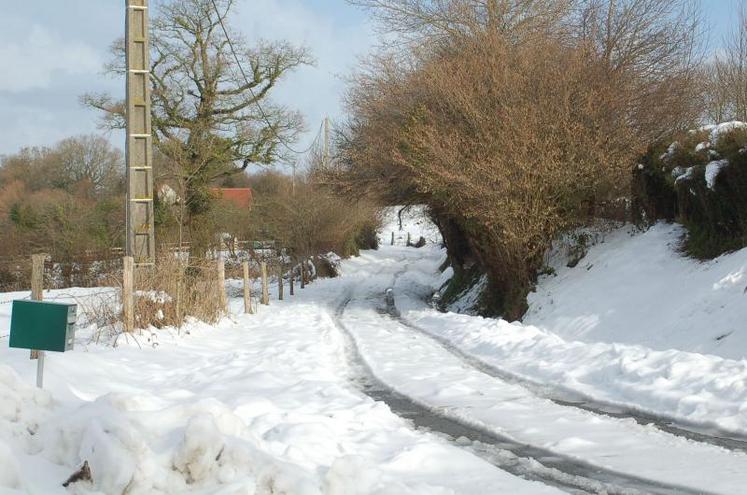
175,289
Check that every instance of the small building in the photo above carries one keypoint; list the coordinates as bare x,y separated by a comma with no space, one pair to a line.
241,197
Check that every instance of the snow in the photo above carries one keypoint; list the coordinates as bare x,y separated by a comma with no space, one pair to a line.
268,403
702,146
682,174
637,288
718,130
418,367
712,171
467,301
670,150
258,404
634,323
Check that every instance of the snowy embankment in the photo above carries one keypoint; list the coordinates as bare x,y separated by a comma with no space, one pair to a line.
261,404
634,324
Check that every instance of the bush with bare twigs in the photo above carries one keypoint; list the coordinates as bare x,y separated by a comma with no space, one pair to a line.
514,136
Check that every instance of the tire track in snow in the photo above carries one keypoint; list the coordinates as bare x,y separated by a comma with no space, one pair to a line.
576,400
520,459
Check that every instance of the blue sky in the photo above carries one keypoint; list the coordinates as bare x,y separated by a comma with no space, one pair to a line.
55,50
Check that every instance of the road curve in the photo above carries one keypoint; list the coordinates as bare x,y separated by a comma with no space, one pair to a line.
527,461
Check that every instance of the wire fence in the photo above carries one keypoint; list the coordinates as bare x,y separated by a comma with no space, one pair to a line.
101,268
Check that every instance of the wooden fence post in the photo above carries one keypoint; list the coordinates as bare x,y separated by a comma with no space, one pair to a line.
408,239
247,289
128,305
37,276
265,287
280,280
37,287
392,238
221,266
303,274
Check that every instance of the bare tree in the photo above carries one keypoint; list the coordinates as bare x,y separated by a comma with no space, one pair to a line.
658,46
726,76
206,117
91,159
446,20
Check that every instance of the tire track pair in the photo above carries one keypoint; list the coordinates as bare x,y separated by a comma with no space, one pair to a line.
520,459
567,398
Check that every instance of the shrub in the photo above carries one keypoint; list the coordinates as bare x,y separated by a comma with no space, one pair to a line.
702,184
176,289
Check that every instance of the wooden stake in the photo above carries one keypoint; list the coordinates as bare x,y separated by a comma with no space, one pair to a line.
303,274
247,289
291,277
128,304
392,238
37,276
265,287
221,267
37,292
280,281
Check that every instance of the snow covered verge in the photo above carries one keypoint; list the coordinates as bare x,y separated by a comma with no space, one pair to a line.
257,405
633,323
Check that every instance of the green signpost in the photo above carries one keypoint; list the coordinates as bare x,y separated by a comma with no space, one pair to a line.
42,326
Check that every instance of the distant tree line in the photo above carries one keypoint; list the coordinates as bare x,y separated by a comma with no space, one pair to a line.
66,199
214,124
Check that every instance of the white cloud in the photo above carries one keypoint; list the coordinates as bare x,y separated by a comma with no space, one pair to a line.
34,59
47,68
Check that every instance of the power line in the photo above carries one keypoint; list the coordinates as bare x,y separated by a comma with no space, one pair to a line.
251,91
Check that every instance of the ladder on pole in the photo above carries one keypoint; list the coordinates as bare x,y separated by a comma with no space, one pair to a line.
139,145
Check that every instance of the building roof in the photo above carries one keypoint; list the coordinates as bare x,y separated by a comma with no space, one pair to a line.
241,197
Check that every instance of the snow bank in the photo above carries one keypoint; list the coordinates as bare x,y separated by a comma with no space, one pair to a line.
636,288
259,405
723,128
633,323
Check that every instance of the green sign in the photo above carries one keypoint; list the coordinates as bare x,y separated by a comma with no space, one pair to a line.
42,326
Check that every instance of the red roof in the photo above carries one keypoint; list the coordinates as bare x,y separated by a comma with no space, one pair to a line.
241,197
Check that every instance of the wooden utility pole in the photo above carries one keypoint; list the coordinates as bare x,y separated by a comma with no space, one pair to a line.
139,145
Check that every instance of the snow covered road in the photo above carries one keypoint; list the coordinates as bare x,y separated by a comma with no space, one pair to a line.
419,368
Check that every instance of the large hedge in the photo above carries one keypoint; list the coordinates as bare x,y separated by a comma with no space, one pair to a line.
700,180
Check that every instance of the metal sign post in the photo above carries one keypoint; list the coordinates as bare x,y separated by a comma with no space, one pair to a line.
40,369
42,326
